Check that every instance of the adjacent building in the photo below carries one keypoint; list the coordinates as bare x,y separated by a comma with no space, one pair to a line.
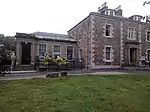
37,44
109,40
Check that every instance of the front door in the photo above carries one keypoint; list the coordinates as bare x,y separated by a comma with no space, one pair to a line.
133,56
26,53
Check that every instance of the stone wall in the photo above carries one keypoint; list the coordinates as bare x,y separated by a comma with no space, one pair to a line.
145,44
100,40
49,48
126,25
82,33
63,46
89,34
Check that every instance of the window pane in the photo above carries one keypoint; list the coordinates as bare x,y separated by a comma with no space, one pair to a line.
111,13
108,30
42,49
69,48
108,53
56,48
148,36
108,49
70,52
131,33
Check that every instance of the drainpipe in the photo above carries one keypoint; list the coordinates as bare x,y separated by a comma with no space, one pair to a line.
87,50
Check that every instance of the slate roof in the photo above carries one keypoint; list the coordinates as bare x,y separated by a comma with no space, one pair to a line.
53,36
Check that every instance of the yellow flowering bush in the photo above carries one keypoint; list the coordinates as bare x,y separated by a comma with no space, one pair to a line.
59,61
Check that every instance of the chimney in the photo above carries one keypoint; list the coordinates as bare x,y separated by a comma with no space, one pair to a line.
118,11
103,8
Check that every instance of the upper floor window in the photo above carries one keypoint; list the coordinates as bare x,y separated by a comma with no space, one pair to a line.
70,52
106,12
108,30
148,36
131,35
56,51
109,12
42,49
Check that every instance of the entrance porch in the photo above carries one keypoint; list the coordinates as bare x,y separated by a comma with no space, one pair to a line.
131,54
25,51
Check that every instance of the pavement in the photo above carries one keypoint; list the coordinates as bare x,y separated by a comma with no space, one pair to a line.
35,74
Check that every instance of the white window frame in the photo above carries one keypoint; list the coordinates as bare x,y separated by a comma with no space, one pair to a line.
137,18
111,53
106,12
146,36
73,52
56,53
109,11
110,30
114,13
134,18
42,48
134,38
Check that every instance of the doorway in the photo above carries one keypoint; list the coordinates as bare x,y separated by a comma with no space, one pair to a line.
133,56
26,53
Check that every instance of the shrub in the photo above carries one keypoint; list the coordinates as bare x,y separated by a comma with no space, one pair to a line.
59,61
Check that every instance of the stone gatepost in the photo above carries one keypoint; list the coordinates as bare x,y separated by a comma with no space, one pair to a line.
33,52
18,53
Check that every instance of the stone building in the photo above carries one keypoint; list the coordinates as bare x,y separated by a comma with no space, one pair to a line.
37,44
109,40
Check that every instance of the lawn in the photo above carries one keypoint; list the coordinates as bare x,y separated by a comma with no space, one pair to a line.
126,93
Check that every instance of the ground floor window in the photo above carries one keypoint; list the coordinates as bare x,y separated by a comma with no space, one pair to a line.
42,49
108,51
70,53
57,51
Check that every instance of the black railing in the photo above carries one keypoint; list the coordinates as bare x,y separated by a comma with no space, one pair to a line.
72,64
136,63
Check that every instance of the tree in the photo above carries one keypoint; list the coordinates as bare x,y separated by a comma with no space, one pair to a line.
146,2
9,42
147,18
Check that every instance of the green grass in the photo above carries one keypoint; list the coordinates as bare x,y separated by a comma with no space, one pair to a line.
126,93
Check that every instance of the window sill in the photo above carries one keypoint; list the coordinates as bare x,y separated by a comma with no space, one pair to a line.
108,36
107,60
132,39
147,41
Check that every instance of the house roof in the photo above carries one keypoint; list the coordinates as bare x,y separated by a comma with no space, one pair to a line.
53,36
46,36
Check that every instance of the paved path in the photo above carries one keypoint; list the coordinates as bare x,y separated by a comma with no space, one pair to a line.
29,75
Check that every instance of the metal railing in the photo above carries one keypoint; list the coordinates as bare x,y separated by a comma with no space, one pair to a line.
72,64
136,63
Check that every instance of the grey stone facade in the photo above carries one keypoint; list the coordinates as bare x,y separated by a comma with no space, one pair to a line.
127,39
82,34
49,40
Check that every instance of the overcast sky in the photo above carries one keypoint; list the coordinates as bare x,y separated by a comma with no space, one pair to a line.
56,16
